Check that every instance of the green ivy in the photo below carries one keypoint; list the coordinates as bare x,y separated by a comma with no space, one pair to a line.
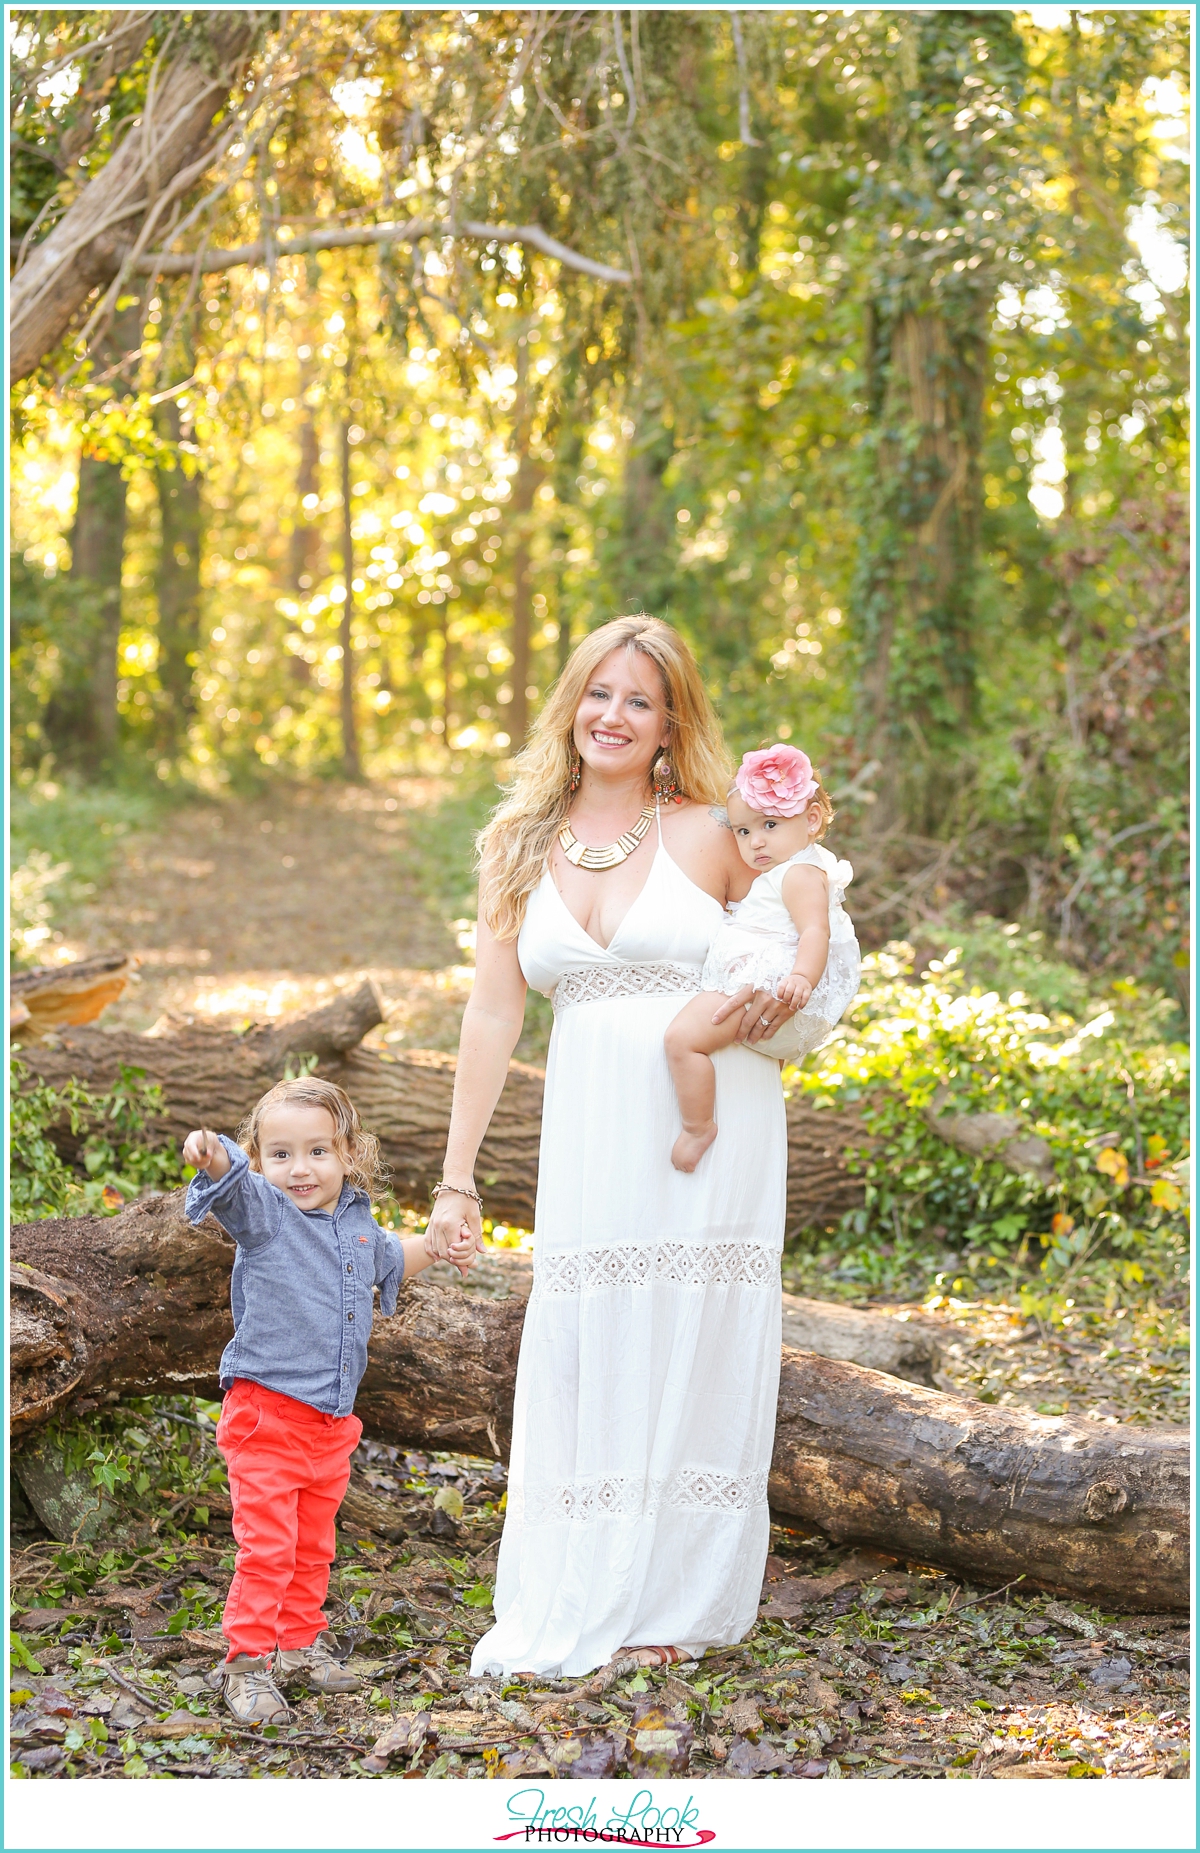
1108,1095
116,1162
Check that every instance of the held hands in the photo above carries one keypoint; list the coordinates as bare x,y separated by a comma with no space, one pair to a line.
204,1150
455,1231
796,990
761,1013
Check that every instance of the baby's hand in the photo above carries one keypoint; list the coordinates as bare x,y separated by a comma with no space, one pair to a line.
795,990
204,1150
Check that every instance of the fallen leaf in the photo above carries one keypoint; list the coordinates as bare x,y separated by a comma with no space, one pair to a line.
743,1718
747,1759
127,1712
40,1619
593,1757
1110,1673
182,1724
1016,1772
46,1758
818,1694
404,1737
795,1593
658,1744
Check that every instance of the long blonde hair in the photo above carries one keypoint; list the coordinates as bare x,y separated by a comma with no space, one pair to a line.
358,1150
515,844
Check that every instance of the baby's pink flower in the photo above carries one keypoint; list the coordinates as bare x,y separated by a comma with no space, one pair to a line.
777,782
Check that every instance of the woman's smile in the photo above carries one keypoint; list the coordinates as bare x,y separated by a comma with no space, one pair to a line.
611,739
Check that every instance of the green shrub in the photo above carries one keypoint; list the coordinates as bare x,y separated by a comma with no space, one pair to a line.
117,1162
1109,1095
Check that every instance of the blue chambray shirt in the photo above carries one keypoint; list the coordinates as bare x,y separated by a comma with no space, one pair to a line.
302,1287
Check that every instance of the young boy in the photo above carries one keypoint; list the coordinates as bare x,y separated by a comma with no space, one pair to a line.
295,1197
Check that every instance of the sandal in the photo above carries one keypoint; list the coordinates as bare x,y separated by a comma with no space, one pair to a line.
651,1656
628,1660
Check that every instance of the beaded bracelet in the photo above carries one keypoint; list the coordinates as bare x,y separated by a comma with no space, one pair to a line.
457,1190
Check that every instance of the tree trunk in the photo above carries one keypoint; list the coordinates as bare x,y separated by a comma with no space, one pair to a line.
138,1304
644,571
182,519
918,672
926,331
306,535
81,715
212,1078
350,759
161,156
525,486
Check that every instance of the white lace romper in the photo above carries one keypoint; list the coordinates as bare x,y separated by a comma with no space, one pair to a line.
757,945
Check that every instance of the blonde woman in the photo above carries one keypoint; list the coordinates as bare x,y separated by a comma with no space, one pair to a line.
645,1400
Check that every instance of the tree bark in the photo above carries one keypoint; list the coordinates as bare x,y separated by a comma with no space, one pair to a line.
524,489
212,1078
350,759
81,715
305,544
139,1304
1094,1510
178,584
163,154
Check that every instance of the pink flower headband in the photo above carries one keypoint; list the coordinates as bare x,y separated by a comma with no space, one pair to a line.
777,782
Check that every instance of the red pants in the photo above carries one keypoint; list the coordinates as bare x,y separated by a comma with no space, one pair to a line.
289,1467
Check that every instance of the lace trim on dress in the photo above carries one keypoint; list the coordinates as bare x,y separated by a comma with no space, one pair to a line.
590,984
582,1502
640,1264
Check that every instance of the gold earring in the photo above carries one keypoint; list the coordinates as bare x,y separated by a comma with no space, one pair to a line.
576,772
666,786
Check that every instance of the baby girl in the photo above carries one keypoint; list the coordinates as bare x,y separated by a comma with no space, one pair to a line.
790,936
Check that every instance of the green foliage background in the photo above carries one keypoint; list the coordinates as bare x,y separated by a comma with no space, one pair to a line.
891,421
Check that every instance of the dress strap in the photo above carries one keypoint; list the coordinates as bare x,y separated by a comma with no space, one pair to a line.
658,820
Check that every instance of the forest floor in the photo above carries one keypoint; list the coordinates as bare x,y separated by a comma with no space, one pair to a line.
246,912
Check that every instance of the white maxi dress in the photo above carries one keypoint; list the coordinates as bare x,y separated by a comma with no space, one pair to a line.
649,1366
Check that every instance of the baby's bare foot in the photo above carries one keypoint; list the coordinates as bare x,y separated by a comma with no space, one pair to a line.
690,1147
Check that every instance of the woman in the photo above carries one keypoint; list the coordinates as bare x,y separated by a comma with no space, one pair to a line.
645,1400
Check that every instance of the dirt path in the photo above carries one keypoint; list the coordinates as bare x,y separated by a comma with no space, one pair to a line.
251,911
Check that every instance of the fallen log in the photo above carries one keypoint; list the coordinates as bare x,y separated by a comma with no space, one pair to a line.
892,1342
210,1077
1084,1507
138,1304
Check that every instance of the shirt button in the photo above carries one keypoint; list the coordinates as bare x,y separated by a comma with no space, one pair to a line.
349,1267
349,1318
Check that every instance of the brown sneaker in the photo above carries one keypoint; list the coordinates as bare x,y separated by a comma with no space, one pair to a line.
316,1667
251,1693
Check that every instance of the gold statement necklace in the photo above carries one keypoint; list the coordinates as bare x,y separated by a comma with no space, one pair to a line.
607,855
